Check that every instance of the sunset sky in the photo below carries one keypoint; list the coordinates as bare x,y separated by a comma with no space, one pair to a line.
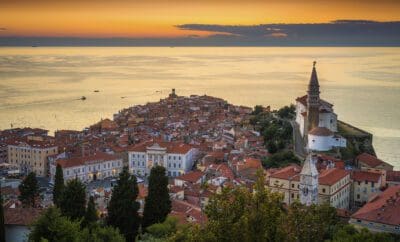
158,18
203,22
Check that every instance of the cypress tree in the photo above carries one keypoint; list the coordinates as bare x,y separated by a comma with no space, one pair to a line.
91,213
158,203
29,190
2,228
123,207
73,202
58,186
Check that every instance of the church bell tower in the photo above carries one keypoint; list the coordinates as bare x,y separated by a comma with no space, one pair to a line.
309,181
313,101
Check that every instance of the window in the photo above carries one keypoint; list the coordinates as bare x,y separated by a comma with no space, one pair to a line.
358,196
292,195
323,190
292,185
372,184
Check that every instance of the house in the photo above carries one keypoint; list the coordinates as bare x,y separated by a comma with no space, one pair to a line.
99,165
365,161
393,178
380,213
365,183
17,222
192,177
177,158
333,185
30,154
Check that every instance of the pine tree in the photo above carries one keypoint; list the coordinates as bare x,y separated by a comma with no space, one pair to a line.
29,190
158,204
2,228
91,213
58,186
52,226
123,207
73,202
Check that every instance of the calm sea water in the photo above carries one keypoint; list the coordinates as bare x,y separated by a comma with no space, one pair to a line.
41,87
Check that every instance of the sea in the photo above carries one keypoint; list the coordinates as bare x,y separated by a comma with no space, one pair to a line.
43,86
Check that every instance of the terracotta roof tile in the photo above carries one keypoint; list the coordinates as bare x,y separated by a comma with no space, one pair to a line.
370,160
362,176
382,208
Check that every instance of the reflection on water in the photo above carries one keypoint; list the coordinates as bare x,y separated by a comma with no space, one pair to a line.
41,87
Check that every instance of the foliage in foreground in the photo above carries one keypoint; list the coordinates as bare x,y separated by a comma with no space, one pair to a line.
53,227
29,190
58,186
73,199
123,208
281,159
158,203
240,215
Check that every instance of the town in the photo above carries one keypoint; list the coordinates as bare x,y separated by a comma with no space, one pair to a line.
205,144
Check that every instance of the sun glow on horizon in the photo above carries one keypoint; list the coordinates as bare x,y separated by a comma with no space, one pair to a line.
156,19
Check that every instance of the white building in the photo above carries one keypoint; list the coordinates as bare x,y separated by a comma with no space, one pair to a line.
323,139
88,168
316,119
177,158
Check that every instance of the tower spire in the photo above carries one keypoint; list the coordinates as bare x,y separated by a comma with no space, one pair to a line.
313,101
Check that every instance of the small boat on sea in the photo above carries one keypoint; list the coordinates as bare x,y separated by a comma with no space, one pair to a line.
83,98
96,91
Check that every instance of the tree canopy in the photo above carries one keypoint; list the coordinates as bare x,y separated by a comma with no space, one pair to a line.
123,207
53,227
158,204
73,202
58,186
91,214
29,190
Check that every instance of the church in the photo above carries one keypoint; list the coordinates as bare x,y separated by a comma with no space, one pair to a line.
316,119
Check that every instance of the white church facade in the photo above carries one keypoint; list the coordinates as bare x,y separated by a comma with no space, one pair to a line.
316,119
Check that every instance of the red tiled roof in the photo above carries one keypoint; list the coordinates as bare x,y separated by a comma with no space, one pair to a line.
192,176
21,216
383,208
79,161
393,176
331,176
362,176
172,147
369,160
287,173
320,131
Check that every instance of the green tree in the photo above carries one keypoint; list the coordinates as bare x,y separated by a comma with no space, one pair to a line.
2,228
287,112
58,186
101,234
348,233
281,159
73,202
91,213
53,227
29,190
240,215
271,146
258,109
123,207
158,204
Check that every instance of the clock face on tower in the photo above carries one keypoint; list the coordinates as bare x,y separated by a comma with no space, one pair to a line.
305,191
